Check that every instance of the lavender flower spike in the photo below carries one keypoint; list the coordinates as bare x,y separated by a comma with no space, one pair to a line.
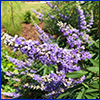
51,6
81,17
52,17
37,13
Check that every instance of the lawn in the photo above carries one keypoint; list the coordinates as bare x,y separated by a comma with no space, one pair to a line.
36,6
28,6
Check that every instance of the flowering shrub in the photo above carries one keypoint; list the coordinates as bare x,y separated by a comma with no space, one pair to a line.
50,71
69,12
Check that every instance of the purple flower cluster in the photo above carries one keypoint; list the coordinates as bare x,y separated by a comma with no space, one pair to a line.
64,17
19,66
40,16
45,38
57,8
54,83
50,5
90,21
42,11
12,94
52,54
81,19
75,38
52,17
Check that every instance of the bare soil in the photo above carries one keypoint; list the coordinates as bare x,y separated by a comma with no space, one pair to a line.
28,31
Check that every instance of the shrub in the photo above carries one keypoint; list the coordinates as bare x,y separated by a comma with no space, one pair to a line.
55,72
67,12
27,16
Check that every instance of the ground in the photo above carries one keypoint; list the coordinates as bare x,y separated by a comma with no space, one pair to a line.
28,31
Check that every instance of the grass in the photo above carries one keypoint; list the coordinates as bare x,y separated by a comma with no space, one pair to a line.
36,6
19,9
28,6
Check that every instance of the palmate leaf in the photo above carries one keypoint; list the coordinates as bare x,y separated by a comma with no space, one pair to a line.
68,91
95,62
94,85
75,88
93,69
76,74
94,94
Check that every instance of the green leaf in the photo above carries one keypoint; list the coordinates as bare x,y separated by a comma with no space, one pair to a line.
95,62
91,44
96,44
89,97
97,40
89,76
76,74
74,88
80,95
94,94
85,85
58,38
15,71
90,90
62,95
45,70
94,85
2,68
67,46
93,69
41,68
9,64
94,29
97,57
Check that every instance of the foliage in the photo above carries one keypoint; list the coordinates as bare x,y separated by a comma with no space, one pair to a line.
8,66
27,18
61,68
69,9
